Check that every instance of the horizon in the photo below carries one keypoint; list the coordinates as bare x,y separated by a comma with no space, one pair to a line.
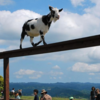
56,82
79,18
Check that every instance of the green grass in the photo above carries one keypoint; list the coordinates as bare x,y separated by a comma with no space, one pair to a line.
54,98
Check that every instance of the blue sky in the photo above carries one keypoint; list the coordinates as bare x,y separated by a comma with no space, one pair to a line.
80,18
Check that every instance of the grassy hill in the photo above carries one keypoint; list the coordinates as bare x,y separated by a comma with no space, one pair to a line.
57,89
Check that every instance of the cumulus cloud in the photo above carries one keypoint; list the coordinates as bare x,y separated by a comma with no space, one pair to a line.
5,2
73,25
77,2
87,55
55,73
12,23
31,73
25,72
94,54
83,67
94,10
18,76
55,77
56,67
91,73
35,77
60,77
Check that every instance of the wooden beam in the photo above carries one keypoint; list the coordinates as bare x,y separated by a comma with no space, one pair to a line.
55,47
6,78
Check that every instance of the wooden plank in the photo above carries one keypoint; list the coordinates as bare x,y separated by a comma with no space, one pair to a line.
6,78
55,47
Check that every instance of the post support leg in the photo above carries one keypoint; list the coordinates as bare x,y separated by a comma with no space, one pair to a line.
6,78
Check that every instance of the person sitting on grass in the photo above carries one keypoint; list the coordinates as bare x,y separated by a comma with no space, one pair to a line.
17,95
71,98
36,94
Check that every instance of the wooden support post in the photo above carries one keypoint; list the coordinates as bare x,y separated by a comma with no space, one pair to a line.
6,78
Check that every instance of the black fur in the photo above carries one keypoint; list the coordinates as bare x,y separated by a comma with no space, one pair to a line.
52,13
46,20
42,38
60,10
25,27
50,8
41,33
32,26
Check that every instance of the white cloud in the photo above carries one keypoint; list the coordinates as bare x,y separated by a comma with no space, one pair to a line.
60,77
73,24
2,50
81,55
94,54
77,2
17,76
56,67
83,67
54,77
12,23
55,73
32,74
91,73
35,77
94,10
5,2
25,72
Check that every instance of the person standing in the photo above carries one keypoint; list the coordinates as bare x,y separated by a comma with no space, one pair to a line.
36,94
98,95
45,96
13,90
12,93
93,94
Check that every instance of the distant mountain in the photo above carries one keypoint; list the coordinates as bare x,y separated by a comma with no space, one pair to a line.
57,89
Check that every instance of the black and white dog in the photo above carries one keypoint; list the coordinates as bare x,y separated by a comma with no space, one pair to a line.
39,26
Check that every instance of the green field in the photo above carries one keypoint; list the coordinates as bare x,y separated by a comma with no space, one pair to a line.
54,98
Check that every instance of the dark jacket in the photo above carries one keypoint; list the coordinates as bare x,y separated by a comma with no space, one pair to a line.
36,97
